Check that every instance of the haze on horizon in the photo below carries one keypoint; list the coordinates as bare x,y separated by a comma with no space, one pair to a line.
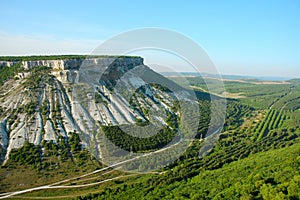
257,38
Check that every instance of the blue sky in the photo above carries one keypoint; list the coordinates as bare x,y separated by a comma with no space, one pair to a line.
259,37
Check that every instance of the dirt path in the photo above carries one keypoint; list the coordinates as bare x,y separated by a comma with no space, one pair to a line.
58,186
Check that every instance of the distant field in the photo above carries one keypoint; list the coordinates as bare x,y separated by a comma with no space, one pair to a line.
259,94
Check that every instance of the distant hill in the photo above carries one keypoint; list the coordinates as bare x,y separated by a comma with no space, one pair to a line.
231,77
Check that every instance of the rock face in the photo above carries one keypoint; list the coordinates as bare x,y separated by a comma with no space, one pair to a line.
76,63
48,104
7,63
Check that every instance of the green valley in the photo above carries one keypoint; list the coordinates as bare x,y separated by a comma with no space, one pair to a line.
256,154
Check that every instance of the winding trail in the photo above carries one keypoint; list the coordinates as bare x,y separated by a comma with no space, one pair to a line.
57,185
7,195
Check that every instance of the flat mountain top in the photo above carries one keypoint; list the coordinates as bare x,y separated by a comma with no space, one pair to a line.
59,57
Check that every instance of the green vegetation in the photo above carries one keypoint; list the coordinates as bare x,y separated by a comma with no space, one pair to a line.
136,144
53,153
7,73
235,113
272,122
29,154
268,175
51,161
259,96
30,107
291,101
38,78
255,94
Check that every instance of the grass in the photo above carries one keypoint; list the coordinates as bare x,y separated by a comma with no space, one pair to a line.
83,191
17,177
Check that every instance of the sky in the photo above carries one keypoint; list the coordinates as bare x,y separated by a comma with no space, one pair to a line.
258,37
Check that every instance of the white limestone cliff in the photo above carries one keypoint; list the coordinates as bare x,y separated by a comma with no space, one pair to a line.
17,126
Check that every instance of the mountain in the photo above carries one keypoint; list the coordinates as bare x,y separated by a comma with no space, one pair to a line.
54,100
